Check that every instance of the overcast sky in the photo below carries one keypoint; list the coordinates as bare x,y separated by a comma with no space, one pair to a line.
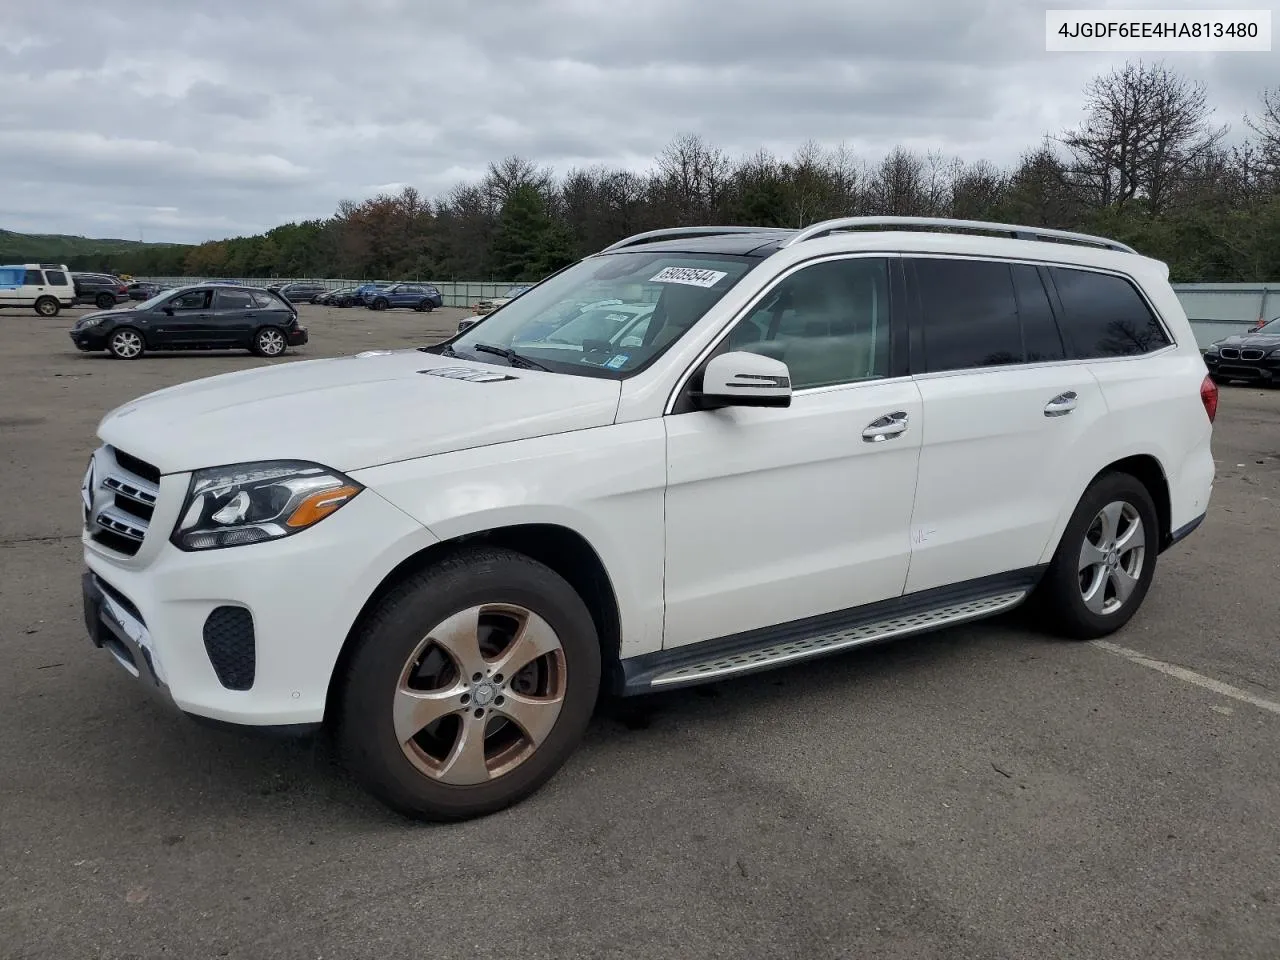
145,117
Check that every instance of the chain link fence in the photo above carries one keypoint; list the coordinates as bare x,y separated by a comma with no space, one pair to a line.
456,293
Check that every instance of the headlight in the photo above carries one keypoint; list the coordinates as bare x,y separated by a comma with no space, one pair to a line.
1275,354
88,322
252,502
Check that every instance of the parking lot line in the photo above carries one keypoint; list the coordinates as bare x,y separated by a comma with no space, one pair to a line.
1188,676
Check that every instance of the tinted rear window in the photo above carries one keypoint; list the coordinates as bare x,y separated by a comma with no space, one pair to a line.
1105,316
970,314
56,278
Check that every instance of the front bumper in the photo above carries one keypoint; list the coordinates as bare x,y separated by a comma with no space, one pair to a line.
90,338
1265,369
164,613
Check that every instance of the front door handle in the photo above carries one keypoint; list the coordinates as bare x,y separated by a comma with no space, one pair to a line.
1061,405
887,427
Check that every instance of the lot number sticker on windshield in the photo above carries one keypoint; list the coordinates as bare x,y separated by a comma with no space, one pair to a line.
690,276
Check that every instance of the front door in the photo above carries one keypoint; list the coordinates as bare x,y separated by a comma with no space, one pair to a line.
774,515
184,320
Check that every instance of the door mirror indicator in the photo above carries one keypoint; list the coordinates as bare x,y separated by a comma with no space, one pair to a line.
742,379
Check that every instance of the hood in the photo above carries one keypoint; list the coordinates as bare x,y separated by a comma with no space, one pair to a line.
81,321
1266,341
353,412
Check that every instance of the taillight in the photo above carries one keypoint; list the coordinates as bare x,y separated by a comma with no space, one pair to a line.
1209,397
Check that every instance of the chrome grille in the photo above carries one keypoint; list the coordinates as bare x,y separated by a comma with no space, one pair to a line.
1252,354
1229,353
120,493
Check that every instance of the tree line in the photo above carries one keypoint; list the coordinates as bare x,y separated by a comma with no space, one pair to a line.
1147,166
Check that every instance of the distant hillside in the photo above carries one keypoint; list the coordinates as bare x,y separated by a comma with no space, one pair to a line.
86,253
54,246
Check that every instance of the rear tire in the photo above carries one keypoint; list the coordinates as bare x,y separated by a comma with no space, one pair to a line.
428,722
104,301
47,307
270,342
126,343
1105,561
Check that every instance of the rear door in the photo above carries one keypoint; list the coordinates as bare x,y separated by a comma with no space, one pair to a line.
235,313
1005,412
33,286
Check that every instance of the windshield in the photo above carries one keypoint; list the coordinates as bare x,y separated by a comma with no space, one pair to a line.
608,316
1270,328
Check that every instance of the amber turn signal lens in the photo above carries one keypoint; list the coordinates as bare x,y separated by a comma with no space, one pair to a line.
319,505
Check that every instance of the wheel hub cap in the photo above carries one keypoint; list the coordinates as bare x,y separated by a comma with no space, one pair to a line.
483,694
1113,558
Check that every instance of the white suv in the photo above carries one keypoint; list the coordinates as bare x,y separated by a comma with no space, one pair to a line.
819,439
43,287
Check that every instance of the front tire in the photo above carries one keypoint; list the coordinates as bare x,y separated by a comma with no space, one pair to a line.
1105,561
126,344
469,686
380,304
47,307
269,342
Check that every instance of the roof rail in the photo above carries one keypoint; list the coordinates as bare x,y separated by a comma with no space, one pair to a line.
941,223
679,233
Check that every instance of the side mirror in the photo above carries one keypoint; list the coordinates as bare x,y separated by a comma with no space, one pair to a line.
742,379
168,311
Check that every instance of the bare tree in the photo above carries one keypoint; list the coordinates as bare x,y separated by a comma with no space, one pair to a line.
692,177
1266,127
899,185
1144,123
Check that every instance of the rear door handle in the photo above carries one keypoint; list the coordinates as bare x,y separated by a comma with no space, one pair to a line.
1061,405
887,427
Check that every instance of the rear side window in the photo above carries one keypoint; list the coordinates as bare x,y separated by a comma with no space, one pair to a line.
1105,316
969,314
234,300
264,300
1041,339
34,278
56,278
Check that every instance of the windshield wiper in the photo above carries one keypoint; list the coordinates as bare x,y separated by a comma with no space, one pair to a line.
443,350
513,358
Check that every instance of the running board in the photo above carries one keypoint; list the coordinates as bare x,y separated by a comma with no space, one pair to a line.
818,636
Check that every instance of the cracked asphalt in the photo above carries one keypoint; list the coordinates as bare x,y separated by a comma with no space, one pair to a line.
981,792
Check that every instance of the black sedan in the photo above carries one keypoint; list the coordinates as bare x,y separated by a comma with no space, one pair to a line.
1255,356
201,317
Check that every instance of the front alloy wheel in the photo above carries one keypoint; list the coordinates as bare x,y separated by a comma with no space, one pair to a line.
126,344
469,685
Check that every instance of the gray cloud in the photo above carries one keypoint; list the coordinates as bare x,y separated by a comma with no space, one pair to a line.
186,126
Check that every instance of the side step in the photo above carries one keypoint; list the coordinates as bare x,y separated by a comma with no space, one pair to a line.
818,636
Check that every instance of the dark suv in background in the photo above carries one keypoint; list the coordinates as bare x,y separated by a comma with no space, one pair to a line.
301,291
101,289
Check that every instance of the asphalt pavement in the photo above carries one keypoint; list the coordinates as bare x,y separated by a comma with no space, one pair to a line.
981,792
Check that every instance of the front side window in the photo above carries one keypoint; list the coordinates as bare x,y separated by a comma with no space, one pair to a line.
191,300
677,288
1104,316
829,323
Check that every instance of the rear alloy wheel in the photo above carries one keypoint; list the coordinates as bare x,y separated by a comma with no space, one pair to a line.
1105,561
104,301
47,307
126,344
469,687
269,342
380,304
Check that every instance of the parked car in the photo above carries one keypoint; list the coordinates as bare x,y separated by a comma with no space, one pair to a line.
365,293
142,290
823,438
303,291
1254,357
103,290
419,296
487,306
205,316
331,298
44,287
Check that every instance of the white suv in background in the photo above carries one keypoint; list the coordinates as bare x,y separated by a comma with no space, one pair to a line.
43,287
815,439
